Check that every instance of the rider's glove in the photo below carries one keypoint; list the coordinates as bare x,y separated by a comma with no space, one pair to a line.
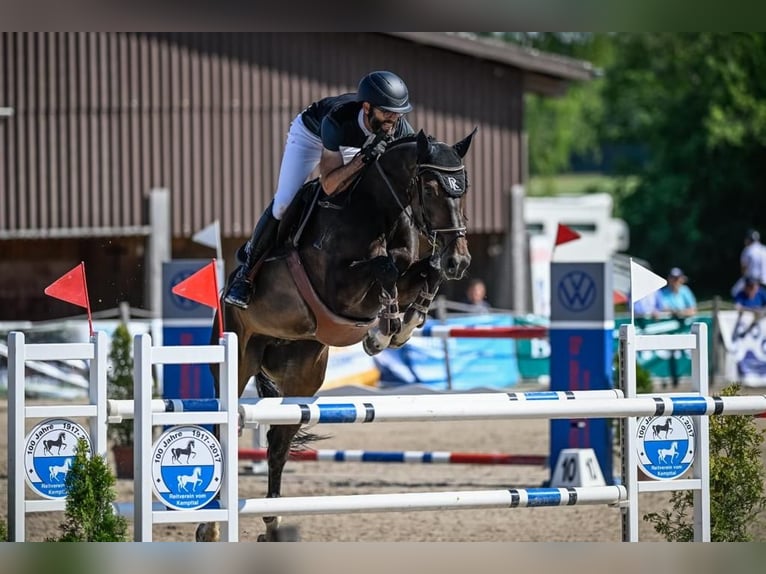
374,146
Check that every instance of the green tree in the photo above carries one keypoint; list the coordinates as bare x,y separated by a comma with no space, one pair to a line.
697,103
736,484
90,493
120,381
559,128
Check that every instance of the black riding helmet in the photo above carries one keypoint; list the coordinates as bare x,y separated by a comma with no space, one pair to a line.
384,90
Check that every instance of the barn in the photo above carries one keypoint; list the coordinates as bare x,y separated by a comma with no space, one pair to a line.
118,147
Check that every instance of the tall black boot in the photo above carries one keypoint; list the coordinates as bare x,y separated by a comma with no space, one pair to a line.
264,236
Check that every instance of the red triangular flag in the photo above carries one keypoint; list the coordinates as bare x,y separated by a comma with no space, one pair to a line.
565,234
202,287
72,288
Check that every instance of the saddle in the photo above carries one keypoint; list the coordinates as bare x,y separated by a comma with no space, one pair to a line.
331,329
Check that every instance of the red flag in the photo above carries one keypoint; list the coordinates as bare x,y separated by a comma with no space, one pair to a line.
565,234
202,287
72,288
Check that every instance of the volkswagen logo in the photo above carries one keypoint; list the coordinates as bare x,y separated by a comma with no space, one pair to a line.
577,291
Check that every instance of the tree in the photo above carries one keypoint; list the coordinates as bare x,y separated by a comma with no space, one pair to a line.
90,494
697,103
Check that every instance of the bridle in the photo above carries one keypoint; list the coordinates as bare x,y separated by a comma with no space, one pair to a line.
420,218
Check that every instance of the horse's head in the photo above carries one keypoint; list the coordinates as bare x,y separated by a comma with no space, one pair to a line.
437,205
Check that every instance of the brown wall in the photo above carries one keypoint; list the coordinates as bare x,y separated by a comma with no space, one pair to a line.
101,118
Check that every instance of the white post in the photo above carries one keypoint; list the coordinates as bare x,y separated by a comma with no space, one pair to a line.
229,397
701,467
629,427
142,431
16,418
97,393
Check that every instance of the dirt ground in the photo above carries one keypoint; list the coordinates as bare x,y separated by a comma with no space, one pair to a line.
570,524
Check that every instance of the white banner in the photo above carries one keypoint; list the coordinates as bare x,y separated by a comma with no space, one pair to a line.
744,337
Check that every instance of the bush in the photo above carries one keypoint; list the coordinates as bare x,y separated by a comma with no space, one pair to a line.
120,381
3,532
736,484
90,493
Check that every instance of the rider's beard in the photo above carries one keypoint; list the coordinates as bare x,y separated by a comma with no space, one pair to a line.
376,125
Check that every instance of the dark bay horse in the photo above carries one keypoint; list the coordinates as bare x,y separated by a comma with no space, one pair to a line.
365,267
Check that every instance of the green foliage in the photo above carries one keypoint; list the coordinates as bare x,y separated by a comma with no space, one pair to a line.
736,484
90,494
120,381
697,103
3,532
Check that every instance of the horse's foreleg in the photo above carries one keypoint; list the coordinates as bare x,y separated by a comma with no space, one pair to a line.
389,324
280,438
414,317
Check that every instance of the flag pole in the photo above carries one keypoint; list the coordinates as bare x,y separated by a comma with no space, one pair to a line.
632,300
218,299
87,299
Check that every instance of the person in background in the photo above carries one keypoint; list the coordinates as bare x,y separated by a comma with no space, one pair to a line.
648,307
752,261
751,297
676,298
750,301
476,295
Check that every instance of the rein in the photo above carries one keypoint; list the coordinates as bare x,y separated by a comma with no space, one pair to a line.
425,227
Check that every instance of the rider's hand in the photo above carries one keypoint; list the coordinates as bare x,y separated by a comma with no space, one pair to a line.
374,146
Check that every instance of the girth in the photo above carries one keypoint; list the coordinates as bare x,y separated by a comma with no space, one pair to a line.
331,329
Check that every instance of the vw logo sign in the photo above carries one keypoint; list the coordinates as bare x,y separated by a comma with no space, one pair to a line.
178,301
187,467
577,291
665,446
48,455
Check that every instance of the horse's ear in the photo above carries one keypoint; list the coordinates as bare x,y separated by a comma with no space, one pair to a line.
424,146
462,146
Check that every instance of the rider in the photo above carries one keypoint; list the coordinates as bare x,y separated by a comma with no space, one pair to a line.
338,133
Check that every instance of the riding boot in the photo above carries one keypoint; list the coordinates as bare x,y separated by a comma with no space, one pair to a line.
264,236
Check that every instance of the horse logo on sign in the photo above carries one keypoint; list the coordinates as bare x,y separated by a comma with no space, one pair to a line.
665,446
48,454
187,467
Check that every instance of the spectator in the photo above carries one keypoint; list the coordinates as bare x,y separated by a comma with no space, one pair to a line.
676,298
649,306
752,261
476,296
752,296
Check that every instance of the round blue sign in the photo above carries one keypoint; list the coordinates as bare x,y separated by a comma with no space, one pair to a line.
665,446
187,467
48,455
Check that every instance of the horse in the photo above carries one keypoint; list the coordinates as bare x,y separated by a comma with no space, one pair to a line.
195,479
385,242
178,452
658,428
58,443
55,470
671,452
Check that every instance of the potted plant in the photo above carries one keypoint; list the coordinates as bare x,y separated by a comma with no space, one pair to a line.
120,386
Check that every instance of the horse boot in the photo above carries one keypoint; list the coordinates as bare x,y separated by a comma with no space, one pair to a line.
264,236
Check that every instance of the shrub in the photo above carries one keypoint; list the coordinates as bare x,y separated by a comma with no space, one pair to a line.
736,484
120,381
89,515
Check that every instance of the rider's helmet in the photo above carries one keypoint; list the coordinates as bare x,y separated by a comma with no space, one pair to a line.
384,90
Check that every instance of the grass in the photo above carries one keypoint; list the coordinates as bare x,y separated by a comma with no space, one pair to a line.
576,184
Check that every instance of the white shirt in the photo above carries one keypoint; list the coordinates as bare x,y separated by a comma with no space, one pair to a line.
753,260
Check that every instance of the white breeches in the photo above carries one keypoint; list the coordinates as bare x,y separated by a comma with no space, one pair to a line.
303,150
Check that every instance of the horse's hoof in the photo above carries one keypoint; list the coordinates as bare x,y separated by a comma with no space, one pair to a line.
369,348
262,538
207,532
